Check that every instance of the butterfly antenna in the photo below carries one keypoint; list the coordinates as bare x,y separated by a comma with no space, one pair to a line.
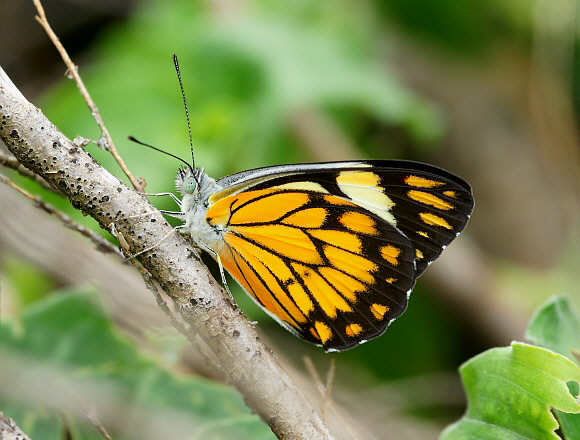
186,110
131,138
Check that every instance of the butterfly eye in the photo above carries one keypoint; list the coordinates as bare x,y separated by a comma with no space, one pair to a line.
189,185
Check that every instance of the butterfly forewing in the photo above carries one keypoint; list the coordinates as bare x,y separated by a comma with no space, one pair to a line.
428,204
332,250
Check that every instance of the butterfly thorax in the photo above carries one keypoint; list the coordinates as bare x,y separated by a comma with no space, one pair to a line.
196,188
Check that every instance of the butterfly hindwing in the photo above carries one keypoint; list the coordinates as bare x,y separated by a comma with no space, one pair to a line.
329,270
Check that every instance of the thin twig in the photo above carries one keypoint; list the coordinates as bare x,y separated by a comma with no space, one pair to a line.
11,162
9,430
105,141
325,393
90,412
329,382
102,244
315,378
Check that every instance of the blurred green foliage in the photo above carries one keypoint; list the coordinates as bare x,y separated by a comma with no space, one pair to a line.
30,282
244,79
467,27
66,349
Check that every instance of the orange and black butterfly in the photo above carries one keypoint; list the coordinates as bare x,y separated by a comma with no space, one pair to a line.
330,250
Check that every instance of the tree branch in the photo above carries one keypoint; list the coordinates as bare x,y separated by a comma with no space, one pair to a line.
10,161
10,430
206,307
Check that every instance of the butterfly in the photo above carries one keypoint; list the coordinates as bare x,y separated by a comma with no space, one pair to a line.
330,250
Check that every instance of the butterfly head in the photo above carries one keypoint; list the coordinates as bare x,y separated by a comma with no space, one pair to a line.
195,188
188,180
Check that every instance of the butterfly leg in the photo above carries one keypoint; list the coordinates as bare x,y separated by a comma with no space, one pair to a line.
221,267
173,196
120,238
155,245
173,214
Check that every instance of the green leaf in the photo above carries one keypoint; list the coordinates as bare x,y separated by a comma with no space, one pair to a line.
510,391
556,326
64,351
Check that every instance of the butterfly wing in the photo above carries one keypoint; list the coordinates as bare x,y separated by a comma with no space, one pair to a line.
428,204
328,270
332,250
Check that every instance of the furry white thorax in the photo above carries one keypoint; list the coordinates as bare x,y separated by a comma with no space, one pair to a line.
194,206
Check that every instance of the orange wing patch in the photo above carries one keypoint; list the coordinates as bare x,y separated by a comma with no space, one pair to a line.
323,331
258,281
391,254
361,223
342,239
422,182
271,205
328,299
348,286
379,311
360,267
307,218
294,242
434,220
429,199
353,329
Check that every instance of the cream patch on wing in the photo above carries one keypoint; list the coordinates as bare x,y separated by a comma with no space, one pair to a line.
363,188
303,185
